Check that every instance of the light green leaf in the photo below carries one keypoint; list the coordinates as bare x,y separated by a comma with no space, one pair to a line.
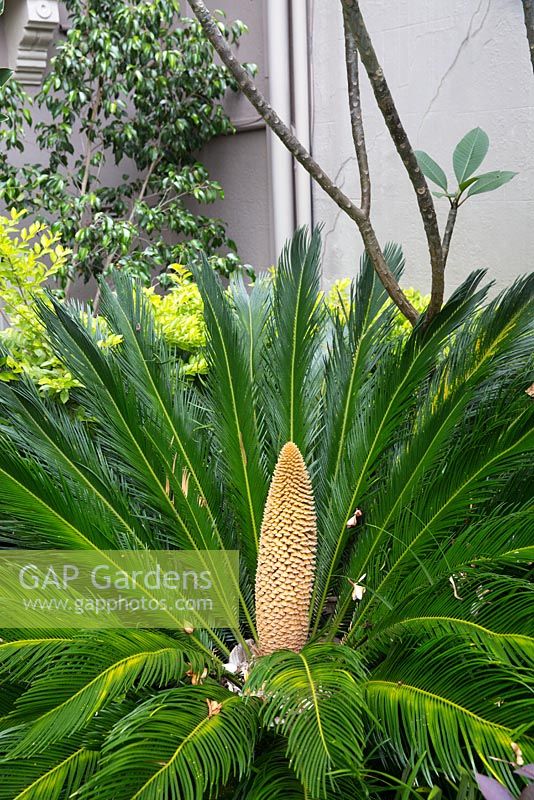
490,181
470,153
431,170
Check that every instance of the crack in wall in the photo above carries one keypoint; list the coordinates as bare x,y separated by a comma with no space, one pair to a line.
465,41
340,211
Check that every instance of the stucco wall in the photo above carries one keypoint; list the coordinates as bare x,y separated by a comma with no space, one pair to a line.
452,65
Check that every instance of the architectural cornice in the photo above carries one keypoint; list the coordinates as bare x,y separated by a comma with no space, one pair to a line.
29,27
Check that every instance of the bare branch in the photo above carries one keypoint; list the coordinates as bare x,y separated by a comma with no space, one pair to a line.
249,89
399,136
358,134
528,10
449,228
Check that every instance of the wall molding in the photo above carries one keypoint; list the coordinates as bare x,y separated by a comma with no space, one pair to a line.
29,27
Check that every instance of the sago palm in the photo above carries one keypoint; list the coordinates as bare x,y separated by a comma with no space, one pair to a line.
385,604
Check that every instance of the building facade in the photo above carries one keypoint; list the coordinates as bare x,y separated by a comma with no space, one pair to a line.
452,65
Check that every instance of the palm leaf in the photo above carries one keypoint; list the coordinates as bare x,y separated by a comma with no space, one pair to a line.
272,778
357,347
180,743
392,397
89,674
315,701
54,775
294,354
476,468
448,699
48,431
475,605
233,413
148,431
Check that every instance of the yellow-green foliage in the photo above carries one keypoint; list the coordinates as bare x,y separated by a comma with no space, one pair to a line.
180,316
338,301
29,257
419,301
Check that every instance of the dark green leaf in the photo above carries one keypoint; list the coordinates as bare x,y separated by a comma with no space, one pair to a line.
5,75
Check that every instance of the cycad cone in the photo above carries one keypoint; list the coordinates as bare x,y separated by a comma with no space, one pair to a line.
286,562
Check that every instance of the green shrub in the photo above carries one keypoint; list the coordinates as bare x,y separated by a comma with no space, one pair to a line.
338,302
139,88
30,258
419,449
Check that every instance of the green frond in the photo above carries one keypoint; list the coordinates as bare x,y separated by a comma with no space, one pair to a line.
391,398
359,343
455,496
233,412
54,775
475,605
89,674
146,424
492,343
252,306
179,744
23,658
454,702
47,431
294,353
314,699
271,778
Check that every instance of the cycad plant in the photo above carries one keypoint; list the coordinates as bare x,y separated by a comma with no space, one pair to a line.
385,607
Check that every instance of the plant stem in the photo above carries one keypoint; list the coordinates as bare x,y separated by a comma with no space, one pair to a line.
250,90
358,134
449,228
384,99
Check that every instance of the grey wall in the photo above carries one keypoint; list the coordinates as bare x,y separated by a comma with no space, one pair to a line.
451,65
241,162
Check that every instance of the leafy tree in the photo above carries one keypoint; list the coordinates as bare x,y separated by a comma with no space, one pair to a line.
412,528
138,89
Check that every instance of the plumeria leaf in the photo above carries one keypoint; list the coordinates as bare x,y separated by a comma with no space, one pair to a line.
490,181
431,170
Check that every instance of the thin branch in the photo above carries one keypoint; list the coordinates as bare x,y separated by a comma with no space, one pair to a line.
399,136
249,89
528,10
111,256
85,218
358,134
449,228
